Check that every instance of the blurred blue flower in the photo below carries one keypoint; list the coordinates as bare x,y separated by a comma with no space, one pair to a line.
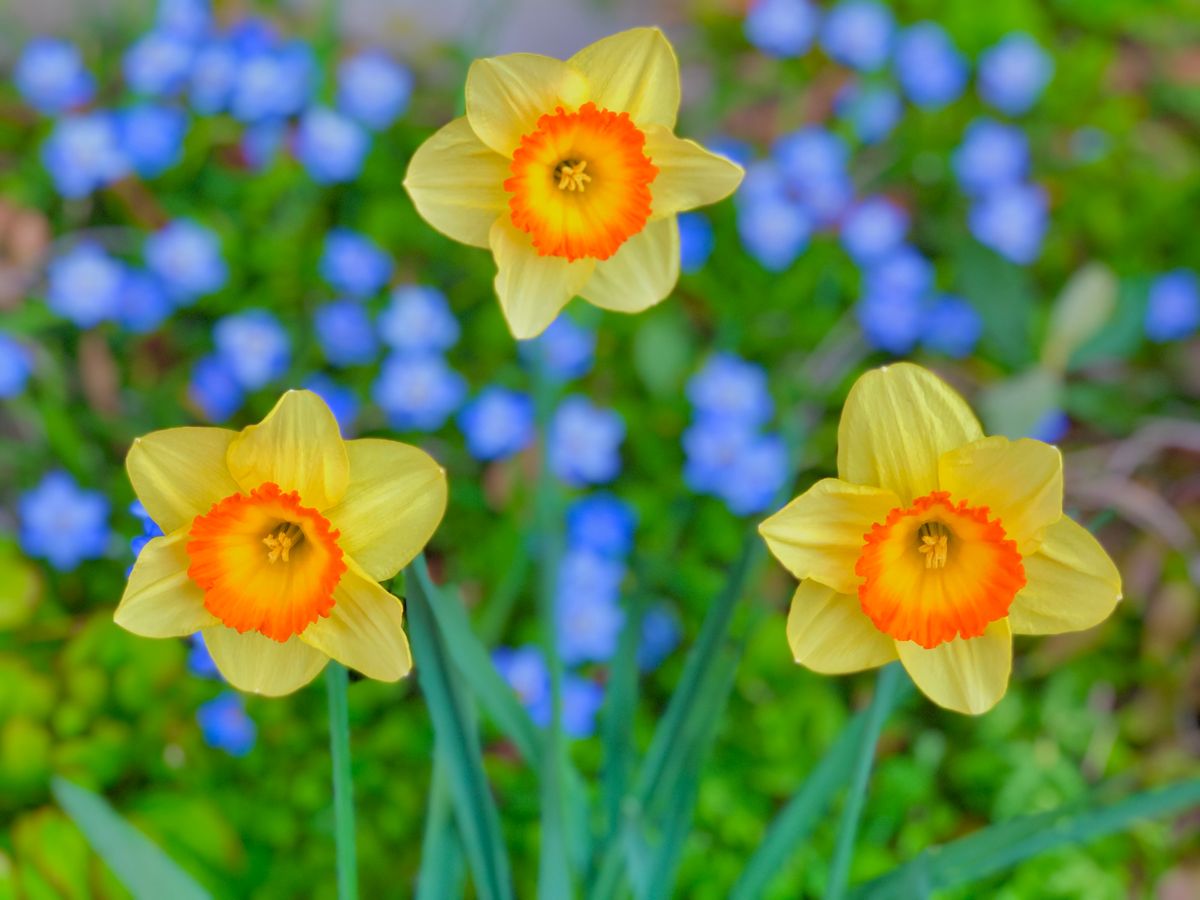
331,146
83,153
144,303
16,365
200,662
214,77
1052,427
343,401
928,66
214,389
254,346
354,264
225,725
418,320
873,110
712,447
952,327
345,333
759,474
601,523
858,33
903,270
660,635
566,349
373,88
272,82
186,256
728,387
589,612
158,63
783,28
62,523
1014,73
261,142
775,232
418,391
581,700
585,442
189,19
873,228
696,241
765,182
992,155
150,529
731,148
1173,308
497,423
51,77
810,155
1012,221
892,322
84,285
524,668
152,137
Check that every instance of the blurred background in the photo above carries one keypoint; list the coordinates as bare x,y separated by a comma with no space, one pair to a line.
200,206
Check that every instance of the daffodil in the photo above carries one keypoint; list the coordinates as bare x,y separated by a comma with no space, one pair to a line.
275,541
934,546
569,171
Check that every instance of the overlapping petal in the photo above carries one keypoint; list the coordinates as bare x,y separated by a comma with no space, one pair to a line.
640,274
966,675
688,175
533,289
180,473
636,72
160,600
829,633
259,665
1071,583
507,94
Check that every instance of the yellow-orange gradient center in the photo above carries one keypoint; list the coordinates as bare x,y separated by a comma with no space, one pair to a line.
265,562
938,570
580,183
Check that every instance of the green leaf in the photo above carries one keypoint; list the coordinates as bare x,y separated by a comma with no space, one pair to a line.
139,864
1079,314
1001,293
441,858
662,351
1124,333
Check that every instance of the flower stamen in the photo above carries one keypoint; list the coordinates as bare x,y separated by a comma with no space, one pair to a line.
571,176
281,544
935,544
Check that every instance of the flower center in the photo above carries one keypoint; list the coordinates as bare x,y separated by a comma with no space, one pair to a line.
277,591
937,570
580,183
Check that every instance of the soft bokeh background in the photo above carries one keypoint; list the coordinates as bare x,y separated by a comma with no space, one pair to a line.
1021,219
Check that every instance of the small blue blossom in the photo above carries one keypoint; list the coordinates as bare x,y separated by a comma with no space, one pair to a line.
225,725
200,662
51,77
783,28
601,523
765,182
810,155
345,333
712,447
733,149
186,256
144,304
728,387
1014,73
152,137
696,241
873,110
272,82
254,346
660,636
16,365
992,155
497,423
759,474
261,142
62,523
214,389
150,529
83,153
873,228
373,88
1012,221
214,77
418,320
566,349
190,19
589,615
331,146
951,327
902,271
342,401
84,285
585,442
354,264
158,64
1051,428
892,322
581,700
775,232
928,66
524,668
858,33
418,392
1173,308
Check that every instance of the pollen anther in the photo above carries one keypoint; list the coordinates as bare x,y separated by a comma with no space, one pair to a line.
571,176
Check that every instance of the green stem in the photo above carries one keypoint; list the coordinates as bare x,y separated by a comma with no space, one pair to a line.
843,851
336,681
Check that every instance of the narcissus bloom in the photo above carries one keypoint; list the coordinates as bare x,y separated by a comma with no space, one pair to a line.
934,546
570,173
275,539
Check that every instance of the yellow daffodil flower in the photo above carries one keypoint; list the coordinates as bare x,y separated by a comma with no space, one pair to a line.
275,540
570,173
934,546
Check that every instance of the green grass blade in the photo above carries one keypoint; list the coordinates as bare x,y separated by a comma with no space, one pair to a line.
620,704
337,680
441,858
144,869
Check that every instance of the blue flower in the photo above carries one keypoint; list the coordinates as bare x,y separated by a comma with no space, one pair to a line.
951,327
872,229
902,271
1173,309
992,155
51,77
581,700
1012,221
272,82
354,264
585,442
733,149
214,77
497,423
418,320
783,28
187,257
186,18
214,389
712,448
696,241
331,146
158,64
373,88
150,529
892,322
873,110
524,668
418,391
16,365
812,163
601,523
1014,73
589,615
145,304
728,387
261,142
1051,428
200,662
566,349
345,333
928,66
63,524
225,725
84,153
152,137
254,346
858,33
343,402
774,232
85,284
660,635
765,182
759,473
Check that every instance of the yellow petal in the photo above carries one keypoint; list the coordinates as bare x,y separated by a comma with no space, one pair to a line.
457,183
635,72
829,633
506,95
160,600
259,665
896,424
966,675
641,273
365,628
180,473
688,175
297,446
1071,583
532,289
396,498
820,534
